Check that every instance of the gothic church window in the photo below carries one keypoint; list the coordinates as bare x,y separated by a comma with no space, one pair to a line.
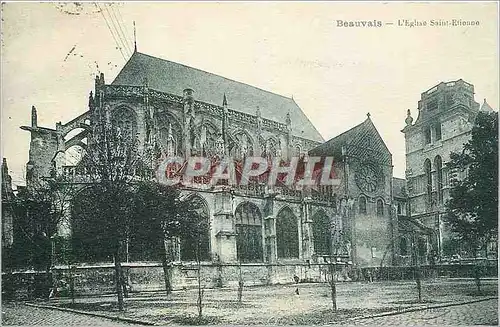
287,238
362,205
380,208
242,146
403,246
428,178
438,131
125,124
438,165
189,245
321,233
428,139
248,223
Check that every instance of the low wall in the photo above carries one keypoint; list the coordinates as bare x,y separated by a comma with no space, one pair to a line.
96,280
486,269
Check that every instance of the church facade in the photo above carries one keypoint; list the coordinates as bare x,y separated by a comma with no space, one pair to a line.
173,110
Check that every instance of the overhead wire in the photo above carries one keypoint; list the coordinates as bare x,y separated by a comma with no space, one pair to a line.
117,29
109,28
121,28
129,35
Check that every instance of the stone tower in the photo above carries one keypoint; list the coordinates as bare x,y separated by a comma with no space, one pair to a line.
446,113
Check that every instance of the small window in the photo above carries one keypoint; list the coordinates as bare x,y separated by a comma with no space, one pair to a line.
362,205
438,131
403,246
400,210
380,208
422,247
427,135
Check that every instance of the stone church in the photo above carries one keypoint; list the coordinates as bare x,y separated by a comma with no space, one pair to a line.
172,109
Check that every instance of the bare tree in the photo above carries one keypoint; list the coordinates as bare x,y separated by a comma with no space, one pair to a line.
110,168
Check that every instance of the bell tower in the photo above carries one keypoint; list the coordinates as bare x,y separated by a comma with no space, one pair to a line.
446,113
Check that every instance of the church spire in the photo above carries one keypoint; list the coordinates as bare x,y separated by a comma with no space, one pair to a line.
135,39
224,101
224,123
34,117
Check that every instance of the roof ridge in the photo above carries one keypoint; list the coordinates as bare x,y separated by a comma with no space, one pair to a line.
348,131
206,72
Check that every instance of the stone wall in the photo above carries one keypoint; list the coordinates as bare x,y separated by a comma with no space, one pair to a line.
96,280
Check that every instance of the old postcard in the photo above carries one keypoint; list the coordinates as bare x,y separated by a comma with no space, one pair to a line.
250,163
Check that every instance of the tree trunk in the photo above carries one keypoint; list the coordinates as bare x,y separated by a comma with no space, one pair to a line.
167,275
419,284
477,274
72,284
166,264
50,282
200,291
240,284
333,287
118,277
124,282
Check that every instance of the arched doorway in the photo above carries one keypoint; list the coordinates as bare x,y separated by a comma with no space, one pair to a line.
321,233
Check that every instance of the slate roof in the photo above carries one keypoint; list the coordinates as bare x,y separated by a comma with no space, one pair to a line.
171,77
362,140
398,187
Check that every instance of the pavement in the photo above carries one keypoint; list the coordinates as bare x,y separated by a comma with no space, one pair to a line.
279,304
479,313
20,314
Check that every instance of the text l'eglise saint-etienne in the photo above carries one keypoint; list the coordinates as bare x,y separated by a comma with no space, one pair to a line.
436,22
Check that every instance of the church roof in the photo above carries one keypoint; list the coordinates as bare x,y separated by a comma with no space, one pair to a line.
362,140
171,77
486,107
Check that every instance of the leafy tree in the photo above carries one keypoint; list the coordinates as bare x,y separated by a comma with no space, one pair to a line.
163,215
40,211
472,210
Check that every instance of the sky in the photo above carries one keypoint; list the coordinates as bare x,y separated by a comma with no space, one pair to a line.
52,51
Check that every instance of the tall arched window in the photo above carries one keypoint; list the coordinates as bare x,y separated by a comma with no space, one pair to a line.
123,119
403,246
189,245
438,165
428,135
248,232
362,205
428,178
380,208
287,237
242,146
321,233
